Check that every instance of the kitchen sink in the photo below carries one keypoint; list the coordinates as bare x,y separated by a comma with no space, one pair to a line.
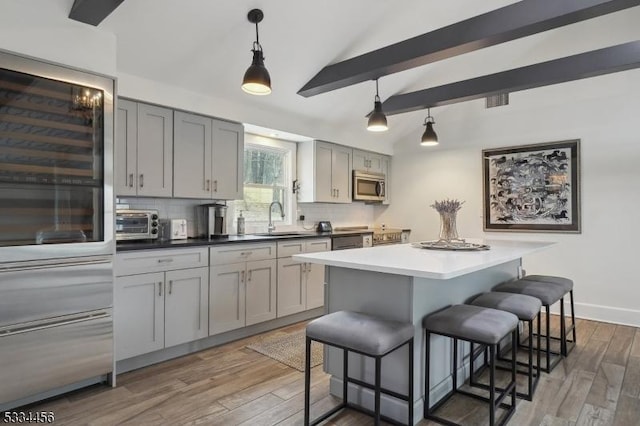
284,234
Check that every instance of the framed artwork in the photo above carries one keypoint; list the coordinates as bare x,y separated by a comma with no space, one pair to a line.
532,188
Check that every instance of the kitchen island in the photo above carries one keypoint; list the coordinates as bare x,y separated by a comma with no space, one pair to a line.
405,283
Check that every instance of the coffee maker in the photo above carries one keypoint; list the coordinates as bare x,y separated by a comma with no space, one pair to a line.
212,220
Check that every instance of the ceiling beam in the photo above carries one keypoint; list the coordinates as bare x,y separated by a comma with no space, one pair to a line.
590,64
498,26
92,11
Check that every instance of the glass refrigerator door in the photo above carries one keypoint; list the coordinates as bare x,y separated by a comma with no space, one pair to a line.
52,161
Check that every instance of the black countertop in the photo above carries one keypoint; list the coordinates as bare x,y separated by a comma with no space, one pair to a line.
231,239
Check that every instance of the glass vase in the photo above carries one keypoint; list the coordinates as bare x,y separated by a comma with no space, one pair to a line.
448,231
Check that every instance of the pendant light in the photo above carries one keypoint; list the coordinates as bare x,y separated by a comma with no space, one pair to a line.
256,80
377,119
429,137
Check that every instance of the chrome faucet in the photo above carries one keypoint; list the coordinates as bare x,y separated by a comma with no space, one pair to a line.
271,226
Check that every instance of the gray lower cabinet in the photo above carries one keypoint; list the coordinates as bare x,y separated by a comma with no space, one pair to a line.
242,286
300,285
160,310
242,294
161,300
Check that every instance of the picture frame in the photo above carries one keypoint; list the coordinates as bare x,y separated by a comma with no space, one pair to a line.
532,188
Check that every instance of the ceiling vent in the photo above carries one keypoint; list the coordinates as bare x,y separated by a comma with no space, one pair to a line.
497,100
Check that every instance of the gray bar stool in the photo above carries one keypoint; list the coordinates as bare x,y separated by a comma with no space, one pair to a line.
479,325
527,309
548,294
366,335
567,286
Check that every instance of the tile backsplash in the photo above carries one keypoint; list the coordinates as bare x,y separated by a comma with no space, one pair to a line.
339,214
168,208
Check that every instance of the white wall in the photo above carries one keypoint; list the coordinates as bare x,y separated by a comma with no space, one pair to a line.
41,29
603,113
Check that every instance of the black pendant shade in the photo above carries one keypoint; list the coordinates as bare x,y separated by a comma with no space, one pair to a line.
429,137
377,119
256,79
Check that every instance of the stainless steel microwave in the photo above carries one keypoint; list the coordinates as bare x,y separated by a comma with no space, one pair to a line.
369,186
136,224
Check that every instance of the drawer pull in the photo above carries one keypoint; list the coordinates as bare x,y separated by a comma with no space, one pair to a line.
165,260
246,253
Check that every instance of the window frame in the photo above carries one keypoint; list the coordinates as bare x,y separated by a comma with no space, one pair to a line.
290,150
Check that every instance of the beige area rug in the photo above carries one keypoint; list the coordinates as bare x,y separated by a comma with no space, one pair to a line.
288,349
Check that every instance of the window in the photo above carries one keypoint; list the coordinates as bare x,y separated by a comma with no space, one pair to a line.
268,176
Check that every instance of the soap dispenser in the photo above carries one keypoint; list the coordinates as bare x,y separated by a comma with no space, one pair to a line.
240,227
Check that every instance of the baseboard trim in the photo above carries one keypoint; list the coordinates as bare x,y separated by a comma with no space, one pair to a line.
602,313
125,365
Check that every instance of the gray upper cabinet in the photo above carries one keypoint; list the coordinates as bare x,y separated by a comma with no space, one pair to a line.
192,156
227,171
324,172
144,150
208,158
368,161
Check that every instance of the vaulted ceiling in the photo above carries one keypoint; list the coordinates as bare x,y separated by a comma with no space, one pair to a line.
204,46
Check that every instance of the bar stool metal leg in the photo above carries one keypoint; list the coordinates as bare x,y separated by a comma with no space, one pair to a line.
377,392
427,376
307,380
411,400
345,376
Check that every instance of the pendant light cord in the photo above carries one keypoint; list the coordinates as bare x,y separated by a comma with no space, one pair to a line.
256,44
377,98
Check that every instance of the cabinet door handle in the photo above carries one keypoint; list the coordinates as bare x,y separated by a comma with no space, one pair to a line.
337,193
141,180
308,268
159,288
170,286
215,185
130,180
249,275
208,186
242,276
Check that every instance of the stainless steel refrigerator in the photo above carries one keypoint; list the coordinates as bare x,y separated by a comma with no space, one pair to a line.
56,228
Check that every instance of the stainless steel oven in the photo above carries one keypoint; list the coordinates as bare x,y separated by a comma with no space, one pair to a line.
369,186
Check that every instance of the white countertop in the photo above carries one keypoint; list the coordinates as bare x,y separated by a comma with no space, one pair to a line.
404,259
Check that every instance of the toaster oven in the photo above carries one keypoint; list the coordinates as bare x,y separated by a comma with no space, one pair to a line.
136,224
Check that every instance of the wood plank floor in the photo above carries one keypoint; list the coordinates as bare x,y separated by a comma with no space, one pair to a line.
598,384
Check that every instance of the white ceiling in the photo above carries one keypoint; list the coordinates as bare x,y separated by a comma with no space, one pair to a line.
204,46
